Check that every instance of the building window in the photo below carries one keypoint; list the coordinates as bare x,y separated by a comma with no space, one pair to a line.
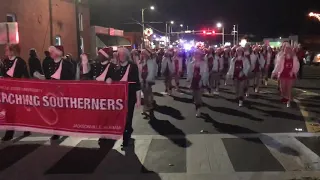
58,41
80,22
81,45
11,18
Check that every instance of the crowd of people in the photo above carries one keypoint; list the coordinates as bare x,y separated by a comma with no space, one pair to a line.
206,69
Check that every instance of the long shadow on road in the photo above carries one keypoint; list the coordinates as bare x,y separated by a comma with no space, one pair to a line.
237,130
232,112
278,114
170,111
167,129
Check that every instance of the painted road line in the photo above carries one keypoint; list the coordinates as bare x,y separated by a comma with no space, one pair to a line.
311,125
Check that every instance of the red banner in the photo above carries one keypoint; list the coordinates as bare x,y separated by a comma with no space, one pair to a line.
72,108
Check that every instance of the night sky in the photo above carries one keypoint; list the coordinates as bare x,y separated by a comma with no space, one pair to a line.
264,18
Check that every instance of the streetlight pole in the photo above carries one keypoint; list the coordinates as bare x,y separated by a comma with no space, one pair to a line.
220,25
223,36
142,22
234,35
237,34
167,33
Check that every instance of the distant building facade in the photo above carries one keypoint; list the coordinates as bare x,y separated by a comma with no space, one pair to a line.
42,23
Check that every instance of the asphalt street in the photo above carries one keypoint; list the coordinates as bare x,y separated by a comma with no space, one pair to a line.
262,140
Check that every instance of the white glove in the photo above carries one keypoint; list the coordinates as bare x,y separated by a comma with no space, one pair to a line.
38,75
109,81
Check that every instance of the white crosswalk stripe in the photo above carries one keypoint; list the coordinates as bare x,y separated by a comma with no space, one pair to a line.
206,156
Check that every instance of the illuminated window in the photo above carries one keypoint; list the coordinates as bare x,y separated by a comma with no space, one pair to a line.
58,41
11,18
81,44
81,22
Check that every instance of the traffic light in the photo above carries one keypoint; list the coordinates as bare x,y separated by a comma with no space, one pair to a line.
209,32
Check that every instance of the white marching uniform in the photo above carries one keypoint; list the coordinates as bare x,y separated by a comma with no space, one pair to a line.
215,68
167,70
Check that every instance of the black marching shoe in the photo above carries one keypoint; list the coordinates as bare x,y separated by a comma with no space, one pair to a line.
55,137
127,142
26,133
7,138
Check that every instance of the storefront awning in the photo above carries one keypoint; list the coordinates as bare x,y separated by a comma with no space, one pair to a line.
113,40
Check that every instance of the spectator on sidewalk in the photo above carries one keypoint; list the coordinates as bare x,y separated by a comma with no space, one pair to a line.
301,55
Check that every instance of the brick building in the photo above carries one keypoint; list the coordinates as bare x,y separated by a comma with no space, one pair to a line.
42,23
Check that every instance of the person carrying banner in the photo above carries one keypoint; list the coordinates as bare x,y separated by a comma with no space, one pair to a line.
14,67
59,69
127,71
98,69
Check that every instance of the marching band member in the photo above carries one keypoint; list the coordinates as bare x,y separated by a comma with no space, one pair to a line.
168,70
147,70
59,69
226,56
98,69
35,68
114,58
177,59
215,66
266,56
286,69
135,56
198,76
280,55
256,67
13,67
238,71
127,71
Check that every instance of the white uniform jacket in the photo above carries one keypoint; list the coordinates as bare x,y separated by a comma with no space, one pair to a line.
179,59
245,70
280,65
166,62
204,72
253,60
152,67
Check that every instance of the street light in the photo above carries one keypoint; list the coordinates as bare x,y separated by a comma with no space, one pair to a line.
181,25
142,22
168,37
219,25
